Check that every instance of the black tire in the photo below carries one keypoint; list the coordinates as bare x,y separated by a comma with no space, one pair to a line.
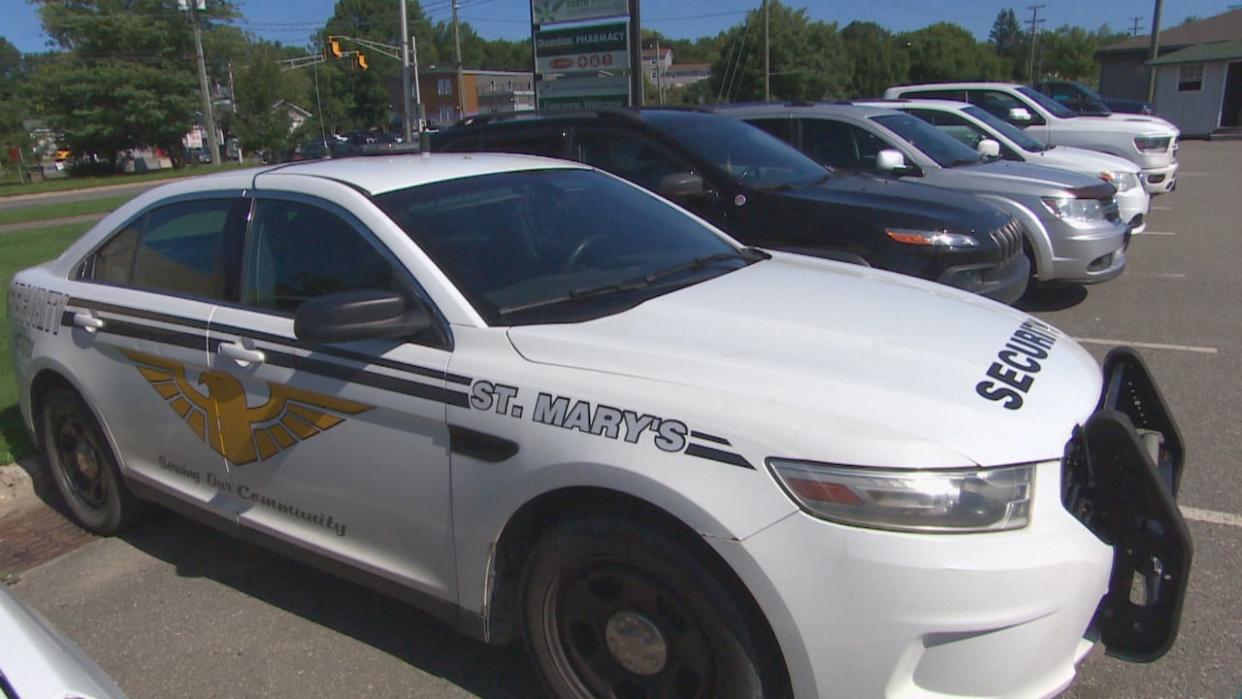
614,609
83,466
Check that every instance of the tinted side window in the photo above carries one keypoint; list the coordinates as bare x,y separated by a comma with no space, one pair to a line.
180,249
955,95
782,128
629,157
296,252
998,104
951,124
841,145
553,143
114,261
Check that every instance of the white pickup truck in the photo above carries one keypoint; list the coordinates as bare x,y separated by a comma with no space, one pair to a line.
1149,142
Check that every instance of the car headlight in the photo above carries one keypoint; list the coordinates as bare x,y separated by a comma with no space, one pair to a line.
954,500
1123,181
945,239
1152,144
1085,210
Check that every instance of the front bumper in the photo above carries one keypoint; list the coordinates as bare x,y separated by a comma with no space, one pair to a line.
1088,254
1133,205
1159,180
862,612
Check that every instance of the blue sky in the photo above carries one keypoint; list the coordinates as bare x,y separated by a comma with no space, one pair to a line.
292,21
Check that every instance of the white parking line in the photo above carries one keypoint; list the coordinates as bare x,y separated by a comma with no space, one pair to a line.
1153,233
1161,208
1211,516
1146,345
1193,174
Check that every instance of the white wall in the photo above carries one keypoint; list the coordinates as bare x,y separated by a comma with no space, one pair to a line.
1195,113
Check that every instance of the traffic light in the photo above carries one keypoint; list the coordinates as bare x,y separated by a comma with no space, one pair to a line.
362,61
334,45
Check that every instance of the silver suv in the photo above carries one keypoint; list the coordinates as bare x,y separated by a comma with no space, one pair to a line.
1073,230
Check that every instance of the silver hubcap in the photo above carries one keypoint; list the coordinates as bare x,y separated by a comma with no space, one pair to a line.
636,643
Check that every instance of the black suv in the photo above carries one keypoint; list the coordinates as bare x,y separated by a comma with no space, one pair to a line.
765,193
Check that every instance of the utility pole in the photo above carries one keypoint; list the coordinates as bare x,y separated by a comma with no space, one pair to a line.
461,98
1035,22
208,117
407,130
636,55
767,57
1134,25
1155,50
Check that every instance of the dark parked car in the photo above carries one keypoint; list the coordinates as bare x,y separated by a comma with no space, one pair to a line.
1088,102
766,193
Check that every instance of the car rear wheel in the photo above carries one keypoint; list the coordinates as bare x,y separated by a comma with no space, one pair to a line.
83,465
613,609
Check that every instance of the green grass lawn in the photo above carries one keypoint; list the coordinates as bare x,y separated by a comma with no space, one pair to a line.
18,251
44,212
8,189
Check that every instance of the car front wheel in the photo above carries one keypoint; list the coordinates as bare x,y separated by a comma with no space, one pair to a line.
614,609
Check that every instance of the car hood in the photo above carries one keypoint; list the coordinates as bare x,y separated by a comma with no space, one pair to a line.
1081,160
821,360
1010,178
1137,124
894,202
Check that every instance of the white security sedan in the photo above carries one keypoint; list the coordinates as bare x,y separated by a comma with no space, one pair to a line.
547,405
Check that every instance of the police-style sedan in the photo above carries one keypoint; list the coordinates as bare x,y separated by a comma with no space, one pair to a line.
545,404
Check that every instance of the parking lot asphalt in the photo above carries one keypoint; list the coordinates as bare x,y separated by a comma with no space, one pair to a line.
174,609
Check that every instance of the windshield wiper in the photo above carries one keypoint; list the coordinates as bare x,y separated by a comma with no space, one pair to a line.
748,254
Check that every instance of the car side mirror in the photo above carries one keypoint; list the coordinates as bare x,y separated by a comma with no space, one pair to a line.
365,314
989,148
889,160
1019,115
682,185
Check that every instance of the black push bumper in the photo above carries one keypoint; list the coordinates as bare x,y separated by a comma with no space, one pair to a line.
1121,475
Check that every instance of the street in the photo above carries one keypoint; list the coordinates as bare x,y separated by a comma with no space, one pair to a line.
175,609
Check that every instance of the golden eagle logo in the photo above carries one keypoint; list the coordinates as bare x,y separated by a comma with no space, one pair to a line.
220,417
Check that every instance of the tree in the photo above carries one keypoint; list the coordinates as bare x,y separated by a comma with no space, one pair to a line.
1069,54
808,58
126,75
946,52
260,87
12,107
878,60
365,94
1006,33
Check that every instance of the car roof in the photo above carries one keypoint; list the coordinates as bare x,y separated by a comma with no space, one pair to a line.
957,85
387,173
761,109
948,105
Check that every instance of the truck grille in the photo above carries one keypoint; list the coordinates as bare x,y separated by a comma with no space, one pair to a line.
1008,239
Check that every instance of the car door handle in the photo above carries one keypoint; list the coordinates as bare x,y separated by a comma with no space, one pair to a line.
240,354
87,322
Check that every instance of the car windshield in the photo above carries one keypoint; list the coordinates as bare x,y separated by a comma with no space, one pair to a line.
1004,128
934,143
555,246
747,153
1054,107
